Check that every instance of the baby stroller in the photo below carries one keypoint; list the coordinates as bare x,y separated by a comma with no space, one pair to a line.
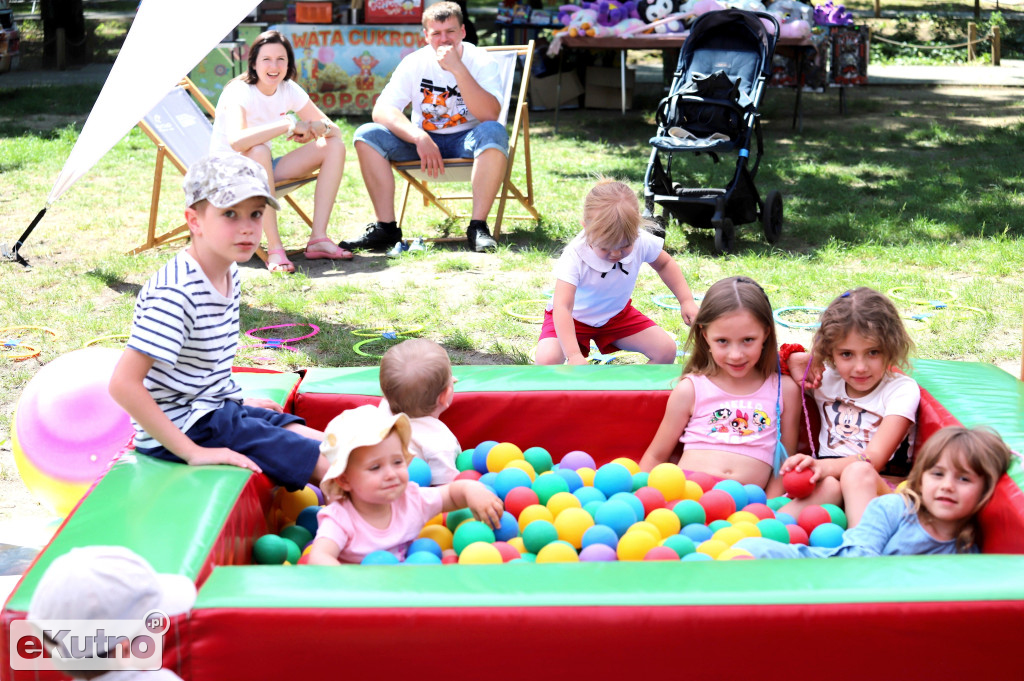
711,108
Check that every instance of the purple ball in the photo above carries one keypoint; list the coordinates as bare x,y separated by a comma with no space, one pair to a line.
596,553
577,459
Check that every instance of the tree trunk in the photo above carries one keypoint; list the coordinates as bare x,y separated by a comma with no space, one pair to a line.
64,18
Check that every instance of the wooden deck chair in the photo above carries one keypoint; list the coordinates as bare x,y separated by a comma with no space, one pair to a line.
459,170
181,131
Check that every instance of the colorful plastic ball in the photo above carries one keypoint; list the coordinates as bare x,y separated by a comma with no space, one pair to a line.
797,535
424,544
760,510
508,528
635,545
785,518
775,503
826,535
812,516
548,485
270,549
508,551
464,461
561,501
661,553
613,478
630,465
718,504
639,480
558,552
696,557
690,511
539,458
698,532
488,479
294,552
712,547
836,515
419,472
773,529
634,503
471,532
519,498
649,528
303,559
439,533
539,534
577,459
743,517
587,494
668,479
681,544
748,528
307,518
480,453
716,525
705,481
733,553
728,535
616,514
509,479
502,454
532,513
598,553
480,553
468,475
735,490
292,503
693,490
380,558
67,428
600,534
755,494
586,475
666,521
449,559
651,498
798,484
591,507
296,533
523,466
571,477
423,558
457,517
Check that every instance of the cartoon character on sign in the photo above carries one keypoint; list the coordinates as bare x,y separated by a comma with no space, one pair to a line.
365,63
309,70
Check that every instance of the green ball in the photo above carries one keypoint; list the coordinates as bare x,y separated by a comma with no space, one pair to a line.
298,534
456,517
464,461
547,486
469,533
773,529
689,512
778,502
639,480
270,549
525,558
836,514
539,534
294,552
681,544
716,525
591,507
539,458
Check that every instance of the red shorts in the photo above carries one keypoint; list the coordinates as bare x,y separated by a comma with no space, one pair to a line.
628,322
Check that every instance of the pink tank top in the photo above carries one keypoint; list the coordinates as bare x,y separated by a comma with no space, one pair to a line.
740,424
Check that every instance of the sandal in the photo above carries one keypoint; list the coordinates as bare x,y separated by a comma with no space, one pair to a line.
286,266
338,253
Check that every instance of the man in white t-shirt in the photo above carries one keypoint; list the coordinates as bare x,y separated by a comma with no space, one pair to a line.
455,90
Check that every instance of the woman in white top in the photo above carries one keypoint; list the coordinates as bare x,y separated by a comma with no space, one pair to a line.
265,103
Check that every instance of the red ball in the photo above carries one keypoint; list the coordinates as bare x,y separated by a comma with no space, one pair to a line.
468,475
797,535
661,553
519,498
798,484
718,504
705,481
651,498
762,511
449,560
507,551
812,516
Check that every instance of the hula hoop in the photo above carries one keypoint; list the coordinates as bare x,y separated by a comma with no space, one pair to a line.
777,316
661,300
252,333
44,329
100,339
357,347
531,318
384,331
894,293
33,351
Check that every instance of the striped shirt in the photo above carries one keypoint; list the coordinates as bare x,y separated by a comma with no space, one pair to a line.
191,331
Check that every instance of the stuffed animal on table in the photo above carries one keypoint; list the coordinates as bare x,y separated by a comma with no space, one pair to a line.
794,18
655,10
832,15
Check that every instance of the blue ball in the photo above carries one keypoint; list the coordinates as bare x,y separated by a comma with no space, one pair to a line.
613,478
380,558
697,532
639,480
600,534
480,455
307,519
785,518
734,489
423,558
755,495
633,501
588,494
508,529
424,544
696,556
616,514
826,535
510,478
489,480
592,506
571,477
419,472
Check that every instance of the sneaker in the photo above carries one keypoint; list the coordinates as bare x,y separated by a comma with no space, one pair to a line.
480,239
379,236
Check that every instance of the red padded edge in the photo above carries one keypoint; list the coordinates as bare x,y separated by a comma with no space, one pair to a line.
244,525
779,642
1002,520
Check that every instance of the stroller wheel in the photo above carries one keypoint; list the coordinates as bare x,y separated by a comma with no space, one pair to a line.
771,216
725,237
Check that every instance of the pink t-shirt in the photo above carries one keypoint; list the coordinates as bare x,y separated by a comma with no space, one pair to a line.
341,523
741,424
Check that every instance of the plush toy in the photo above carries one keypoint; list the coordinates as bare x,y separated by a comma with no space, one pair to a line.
832,15
791,10
692,9
654,10
610,13
748,5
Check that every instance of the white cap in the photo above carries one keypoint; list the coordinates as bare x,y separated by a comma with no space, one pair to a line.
225,180
363,426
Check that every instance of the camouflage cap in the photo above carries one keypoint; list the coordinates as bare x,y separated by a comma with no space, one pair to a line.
225,180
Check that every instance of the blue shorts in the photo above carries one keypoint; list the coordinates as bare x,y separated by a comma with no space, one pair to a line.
467,144
286,457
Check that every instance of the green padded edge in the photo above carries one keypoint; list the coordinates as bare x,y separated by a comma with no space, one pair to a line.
512,378
273,386
901,579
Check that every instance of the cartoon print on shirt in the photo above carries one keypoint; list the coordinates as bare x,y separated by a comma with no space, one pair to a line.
847,428
442,106
759,419
717,418
740,424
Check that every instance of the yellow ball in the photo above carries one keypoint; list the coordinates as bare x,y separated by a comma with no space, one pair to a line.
668,479
747,528
517,544
501,455
712,547
665,520
436,520
635,544
693,491
523,465
742,517
899,487
292,503
728,535
587,476
561,501
571,524
733,552
439,533
534,512
632,466
480,553
558,552
644,526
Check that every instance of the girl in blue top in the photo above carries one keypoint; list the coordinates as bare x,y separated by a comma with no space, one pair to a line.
954,476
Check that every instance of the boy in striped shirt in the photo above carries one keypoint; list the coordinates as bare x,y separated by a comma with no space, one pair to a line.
174,378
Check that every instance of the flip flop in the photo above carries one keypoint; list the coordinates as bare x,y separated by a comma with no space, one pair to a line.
286,266
338,253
